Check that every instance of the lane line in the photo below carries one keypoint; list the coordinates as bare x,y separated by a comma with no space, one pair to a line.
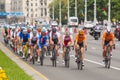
40,74
102,64
91,61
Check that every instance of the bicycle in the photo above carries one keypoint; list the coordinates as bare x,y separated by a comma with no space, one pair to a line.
54,56
34,55
67,56
79,59
108,57
42,56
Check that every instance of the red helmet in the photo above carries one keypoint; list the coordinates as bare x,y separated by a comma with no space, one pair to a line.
28,30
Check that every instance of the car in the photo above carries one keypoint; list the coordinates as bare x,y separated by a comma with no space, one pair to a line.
54,23
89,24
73,22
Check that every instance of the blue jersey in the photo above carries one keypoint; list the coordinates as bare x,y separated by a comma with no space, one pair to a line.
25,37
21,34
43,40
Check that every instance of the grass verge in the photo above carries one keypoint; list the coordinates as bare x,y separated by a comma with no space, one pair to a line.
13,71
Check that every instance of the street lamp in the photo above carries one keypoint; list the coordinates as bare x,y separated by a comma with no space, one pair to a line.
95,20
53,11
109,15
27,3
60,13
75,8
85,20
68,9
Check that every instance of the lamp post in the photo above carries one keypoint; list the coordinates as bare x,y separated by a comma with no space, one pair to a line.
53,11
95,20
85,20
109,15
75,8
60,13
68,9
27,2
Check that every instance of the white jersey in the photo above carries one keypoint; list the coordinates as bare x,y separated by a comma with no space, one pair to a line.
57,33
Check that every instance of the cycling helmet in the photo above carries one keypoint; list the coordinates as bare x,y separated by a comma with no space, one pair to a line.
25,31
44,29
67,33
81,32
39,29
108,30
28,30
34,32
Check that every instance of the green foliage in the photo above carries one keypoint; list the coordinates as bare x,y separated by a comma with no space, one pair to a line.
13,71
102,9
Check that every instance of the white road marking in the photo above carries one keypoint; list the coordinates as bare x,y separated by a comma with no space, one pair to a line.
97,63
93,48
101,64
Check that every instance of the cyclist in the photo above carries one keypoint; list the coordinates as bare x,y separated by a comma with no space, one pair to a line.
42,41
25,40
107,38
67,41
80,43
55,39
6,32
33,42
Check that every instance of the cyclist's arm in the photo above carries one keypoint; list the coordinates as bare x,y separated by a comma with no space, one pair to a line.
85,41
103,40
76,41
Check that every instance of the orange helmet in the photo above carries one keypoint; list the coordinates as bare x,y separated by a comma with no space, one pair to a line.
81,32
39,29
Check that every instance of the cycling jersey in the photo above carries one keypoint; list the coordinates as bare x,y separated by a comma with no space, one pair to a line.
34,40
25,37
42,41
67,39
20,34
81,38
55,37
108,37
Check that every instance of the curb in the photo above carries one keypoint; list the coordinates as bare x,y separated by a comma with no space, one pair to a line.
26,67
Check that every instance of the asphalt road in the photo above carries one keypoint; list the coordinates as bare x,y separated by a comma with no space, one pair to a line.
94,67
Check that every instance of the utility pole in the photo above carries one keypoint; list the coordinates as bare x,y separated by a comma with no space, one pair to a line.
68,9
60,13
85,20
53,10
95,19
75,8
109,15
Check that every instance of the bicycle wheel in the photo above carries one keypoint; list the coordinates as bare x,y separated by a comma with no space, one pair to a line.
81,65
109,61
41,59
106,63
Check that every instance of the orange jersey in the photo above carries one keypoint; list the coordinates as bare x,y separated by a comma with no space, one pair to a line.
80,39
108,37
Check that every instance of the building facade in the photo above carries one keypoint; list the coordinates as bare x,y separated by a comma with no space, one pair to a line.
33,9
4,8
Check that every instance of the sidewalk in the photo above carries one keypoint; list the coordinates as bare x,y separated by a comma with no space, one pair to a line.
27,68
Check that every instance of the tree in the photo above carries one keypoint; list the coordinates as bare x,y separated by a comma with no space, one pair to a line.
102,9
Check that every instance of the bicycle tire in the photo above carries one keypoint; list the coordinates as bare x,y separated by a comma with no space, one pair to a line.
81,65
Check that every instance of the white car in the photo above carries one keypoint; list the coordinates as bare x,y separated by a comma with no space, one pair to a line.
89,24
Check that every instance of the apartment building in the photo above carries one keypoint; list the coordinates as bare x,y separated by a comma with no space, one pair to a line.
32,9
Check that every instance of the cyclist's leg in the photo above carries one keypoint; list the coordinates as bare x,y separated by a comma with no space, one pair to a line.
31,50
105,49
82,51
39,52
111,45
